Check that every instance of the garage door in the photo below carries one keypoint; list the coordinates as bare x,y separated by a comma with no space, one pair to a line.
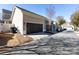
34,28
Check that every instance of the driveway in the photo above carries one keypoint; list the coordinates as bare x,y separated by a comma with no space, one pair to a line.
64,43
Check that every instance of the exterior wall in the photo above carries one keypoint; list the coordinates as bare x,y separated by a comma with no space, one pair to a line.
5,27
17,20
1,27
31,19
54,28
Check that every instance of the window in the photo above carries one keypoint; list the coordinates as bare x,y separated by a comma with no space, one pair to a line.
10,22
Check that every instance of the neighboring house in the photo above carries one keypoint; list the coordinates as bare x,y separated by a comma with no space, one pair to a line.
67,25
6,14
5,22
27,22
49,26
54,27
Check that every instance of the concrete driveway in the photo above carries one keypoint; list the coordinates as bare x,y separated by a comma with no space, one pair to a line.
37,36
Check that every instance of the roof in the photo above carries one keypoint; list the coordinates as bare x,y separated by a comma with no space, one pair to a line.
6,11
6,14
30,12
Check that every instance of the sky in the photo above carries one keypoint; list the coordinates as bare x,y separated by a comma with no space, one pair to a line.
64,10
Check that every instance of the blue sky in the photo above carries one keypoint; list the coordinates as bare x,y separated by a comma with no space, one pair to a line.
64,10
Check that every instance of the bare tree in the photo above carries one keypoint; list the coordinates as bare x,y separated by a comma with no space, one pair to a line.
50,12
60,20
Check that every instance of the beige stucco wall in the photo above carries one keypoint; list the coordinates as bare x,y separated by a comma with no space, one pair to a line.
32,19
17,20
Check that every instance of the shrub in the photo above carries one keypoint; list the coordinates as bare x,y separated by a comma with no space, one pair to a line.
13,29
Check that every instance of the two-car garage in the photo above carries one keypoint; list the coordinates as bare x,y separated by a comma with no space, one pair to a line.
34,28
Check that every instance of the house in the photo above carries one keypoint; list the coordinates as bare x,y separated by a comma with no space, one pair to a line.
5,22
27,22
68,26
5,17
54,27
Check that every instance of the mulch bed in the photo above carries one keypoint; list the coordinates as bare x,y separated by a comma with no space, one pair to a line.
12,40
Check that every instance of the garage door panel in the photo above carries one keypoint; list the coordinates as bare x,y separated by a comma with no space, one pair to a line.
33,28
